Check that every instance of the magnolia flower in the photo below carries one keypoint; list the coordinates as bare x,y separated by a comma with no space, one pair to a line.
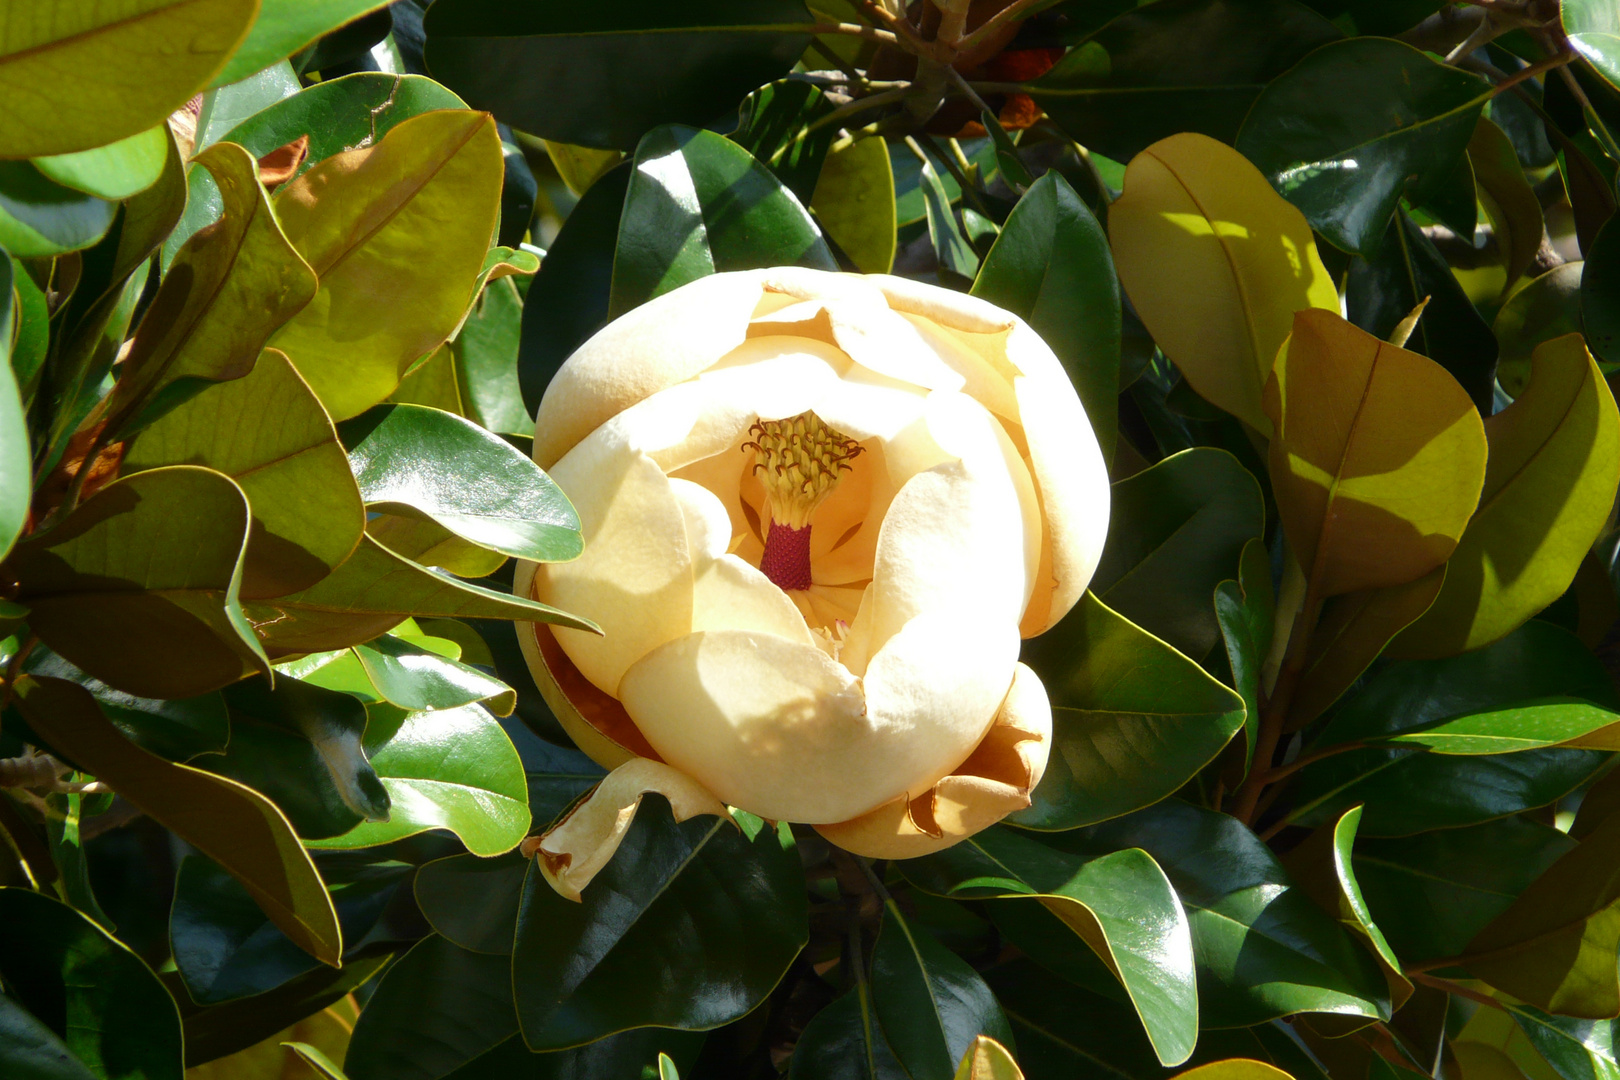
819,510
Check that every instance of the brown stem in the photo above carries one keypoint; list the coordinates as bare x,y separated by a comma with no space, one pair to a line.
1275,715
1271,776
1538,68
1457,988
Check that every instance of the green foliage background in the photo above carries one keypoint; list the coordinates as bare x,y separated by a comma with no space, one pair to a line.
1332,788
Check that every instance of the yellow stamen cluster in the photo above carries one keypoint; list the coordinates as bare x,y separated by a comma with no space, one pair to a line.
799,461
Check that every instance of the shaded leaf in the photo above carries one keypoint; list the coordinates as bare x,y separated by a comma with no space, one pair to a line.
40,217
1539,310
773,125
415,460
367,220
486,353
473,902
1246,611
231,824
214,1032
32,1051
177,729
1133,719
129,73
1550,482
431,544
854,202
722,911
623,71
1378,459
1508,198
286,26
951,247
698,204
267,431
1051,267
844,1041
138,586
1216,265
1600,295
1355,126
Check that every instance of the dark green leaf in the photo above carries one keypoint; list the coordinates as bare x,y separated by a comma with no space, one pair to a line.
772,127
486,354
224,107
1577,1049
1600,294
1246,609
1152,72
40,217
698,204
1408,791
931,1004
138,586
1263,948
721,913
16,455
1121,905
224,947
606,76
178,729
1382,290
629,1054
1051,266
91,991
31,1051
1066,1033
845,1042
67,851
420,461
1594,30
951,247
1356,125
1133,719
1175,531
473,902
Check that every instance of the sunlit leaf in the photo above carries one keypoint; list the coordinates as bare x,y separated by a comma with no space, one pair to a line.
286,26
854,202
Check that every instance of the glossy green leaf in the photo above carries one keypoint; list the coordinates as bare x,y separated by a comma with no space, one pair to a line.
438,1007
130,69
1382,289
930,1002
111,1013
226,293
1600,295
1525,727
1175,531
231,824
369,595
316,1060
138,586
224,107
300,745
267,431
1576,1048
40,217
415,460
177,729
30,332
773,125
721,910
31,1051
473,902
1541,309
698,204
1133,719
1594,30
1120,904
115,171
844,1041
1263,948
1152,72
1554,946
1051,266
16,455
226,950
367,221
1432,892
66,838
1355,126
415,678
628,1054
622,71
951,246
1064,1031
449,769
1550,482
486,353
286,26
1245,608
1407,791
854,202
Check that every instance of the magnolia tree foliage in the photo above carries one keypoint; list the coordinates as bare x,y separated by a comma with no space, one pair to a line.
1314,303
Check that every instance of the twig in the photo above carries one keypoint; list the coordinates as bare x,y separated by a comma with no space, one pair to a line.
907,34
871,101
1271,776
870,33
838,62
1010,13
1539,67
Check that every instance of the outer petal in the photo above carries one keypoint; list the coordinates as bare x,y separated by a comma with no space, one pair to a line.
995,781
660,343
572,852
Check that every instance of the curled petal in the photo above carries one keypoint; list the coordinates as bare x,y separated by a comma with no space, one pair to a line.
995,781
574,850
660,343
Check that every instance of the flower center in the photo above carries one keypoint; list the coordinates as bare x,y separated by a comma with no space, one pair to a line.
799,460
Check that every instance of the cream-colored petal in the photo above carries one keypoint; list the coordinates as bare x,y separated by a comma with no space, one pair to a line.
866,405
988,383
663,342
773,727
708,526
595,721
728,594
635,575
576,849
994,782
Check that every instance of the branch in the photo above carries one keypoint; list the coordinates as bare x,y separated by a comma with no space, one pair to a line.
1010,13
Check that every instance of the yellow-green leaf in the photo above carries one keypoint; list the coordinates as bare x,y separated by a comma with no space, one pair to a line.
286,26
1215,263
397,233
1378,458
115,171
79,75
986,1059
1549,485
580,166
234,825
1507,196
227,291
854,201
1234,1069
